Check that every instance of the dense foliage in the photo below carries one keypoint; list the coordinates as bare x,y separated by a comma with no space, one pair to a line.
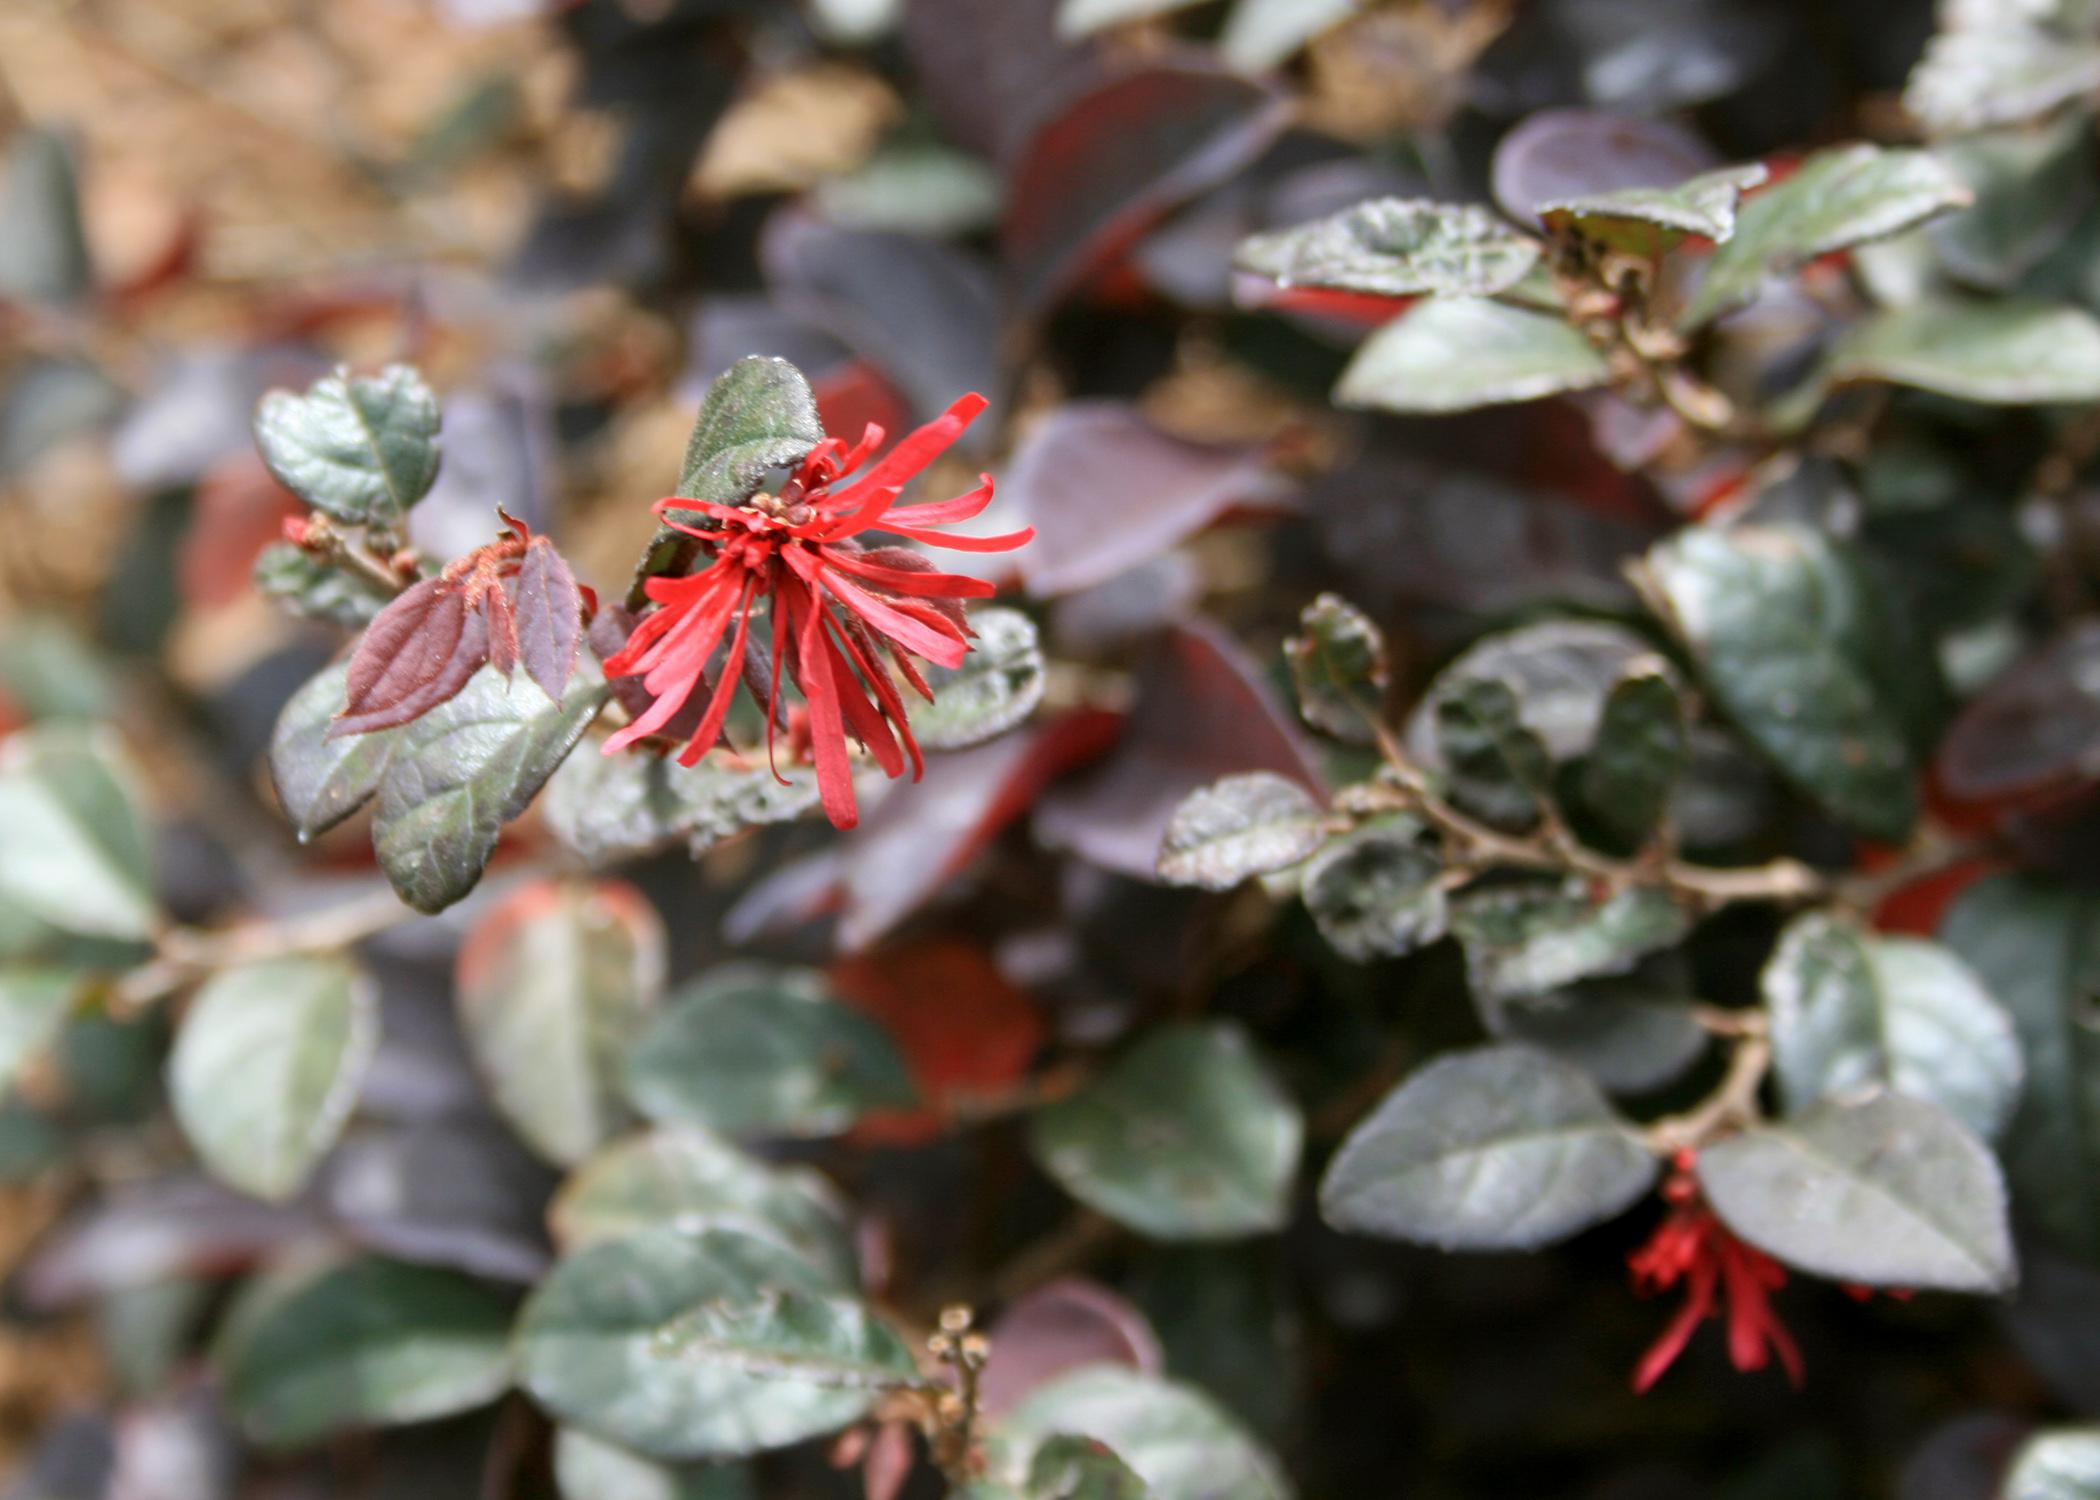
1356,755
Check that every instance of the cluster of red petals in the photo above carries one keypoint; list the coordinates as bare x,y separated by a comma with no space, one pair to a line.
1693,1246
838,607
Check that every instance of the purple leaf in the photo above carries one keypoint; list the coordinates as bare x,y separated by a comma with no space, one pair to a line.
985,71
418,652
2035,731
1061,1326
924,313
1559,154
1107,491
1118,157
503,629
1202,713
550,617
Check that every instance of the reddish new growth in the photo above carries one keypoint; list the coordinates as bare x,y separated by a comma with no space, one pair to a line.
837,607
1694,1247
511,601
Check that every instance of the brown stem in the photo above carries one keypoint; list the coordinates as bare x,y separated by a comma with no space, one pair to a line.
187,952
1733,1102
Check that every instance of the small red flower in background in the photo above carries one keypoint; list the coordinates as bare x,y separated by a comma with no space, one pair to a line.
1694,1247
837,606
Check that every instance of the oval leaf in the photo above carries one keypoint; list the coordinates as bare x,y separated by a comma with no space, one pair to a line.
589,1468
267,1066
1377,892
1240,827
690,1180
1396,247
1801,651
73,843
362,448
461,772
1851,1011
1338,668
1172,1436
369,1343
1187,1136
997,686
1505,1148
753,1050
1888,1192
1529,939
774,1357
2005,353
759,414
323,777
553,984
1456,353
608,809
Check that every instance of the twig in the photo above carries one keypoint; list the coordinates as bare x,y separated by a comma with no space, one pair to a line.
187,952
1733,1101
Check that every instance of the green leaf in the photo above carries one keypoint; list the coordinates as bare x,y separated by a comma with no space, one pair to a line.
1548,683
1632,1034
367,1343
1239,827
589,1468
1260,34
1172,1436
1338,668
2031,187
2001,75
1902,1195
1799,648
1077,1468
2060,1463
553,985
1642,748
1377,891
1187,1136
608,809
1456,353
2037,946
1650,220
321,781
44,256
755,1050
1531,938
74,851
1839,198
314,589
465,769
759,414
1395,247
362,448
690,1180
1851,1011
2005,353
34,1002
595,1346
267,1066
921,188
997,686
1497,766
1503,1148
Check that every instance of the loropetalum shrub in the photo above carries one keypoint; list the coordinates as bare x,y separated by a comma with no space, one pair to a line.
1709,939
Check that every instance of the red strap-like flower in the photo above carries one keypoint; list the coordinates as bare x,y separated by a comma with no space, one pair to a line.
1693,1246
842,614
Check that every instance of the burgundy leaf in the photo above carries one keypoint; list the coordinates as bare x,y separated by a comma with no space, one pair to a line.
924,314
890,1458
922,834
503,630
417,653
1118,157
2035,731
1058,1327
1107,491
1202,713
985,71
1573,153
550,617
